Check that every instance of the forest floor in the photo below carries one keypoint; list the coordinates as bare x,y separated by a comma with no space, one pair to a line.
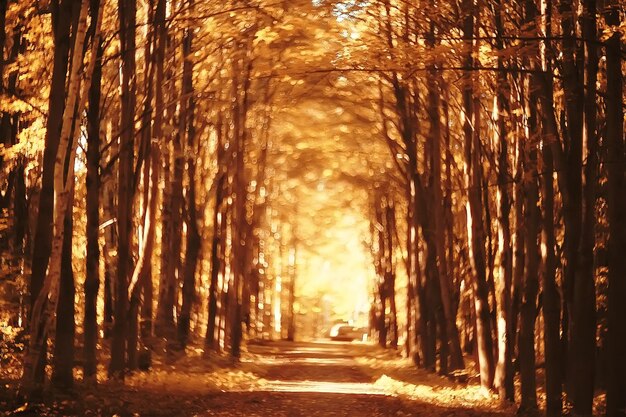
273,379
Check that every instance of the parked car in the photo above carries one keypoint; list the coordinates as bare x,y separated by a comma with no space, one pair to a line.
347,333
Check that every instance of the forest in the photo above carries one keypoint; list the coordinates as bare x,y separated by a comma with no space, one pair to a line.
185,176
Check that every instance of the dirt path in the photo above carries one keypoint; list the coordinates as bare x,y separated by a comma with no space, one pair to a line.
319,379
308,379
277,379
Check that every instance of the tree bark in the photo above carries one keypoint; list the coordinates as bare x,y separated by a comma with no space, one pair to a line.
42,242
92,185
63,181
109,248
572,211
141,281
584,324
504,368
616,340
390,269
531,285
550,294
63,363
475,227
449,313
193,244
127,25
217,242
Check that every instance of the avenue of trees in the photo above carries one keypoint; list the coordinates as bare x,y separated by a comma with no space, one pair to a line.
151,185
505,124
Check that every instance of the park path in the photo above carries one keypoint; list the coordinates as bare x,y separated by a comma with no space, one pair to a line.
308,379
275,379
318,379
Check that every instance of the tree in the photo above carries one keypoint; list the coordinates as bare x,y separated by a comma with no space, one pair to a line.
48,297
92,274
616,383
127,22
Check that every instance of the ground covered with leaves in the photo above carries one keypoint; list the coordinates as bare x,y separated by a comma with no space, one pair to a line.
272,379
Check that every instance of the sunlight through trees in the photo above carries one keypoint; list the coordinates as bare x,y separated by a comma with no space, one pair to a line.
184,176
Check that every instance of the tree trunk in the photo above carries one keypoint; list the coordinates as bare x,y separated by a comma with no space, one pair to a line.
239,215
141,281
193,245
584,324
550,294
475,226
291,325
92,269
378,235
142,277
531,284
127,25
449,313
42,243
63,363
410,347
164,323
390,272
239,291
174,249
616,340
504,369
519,256
109,248
572,211
47,299
216,260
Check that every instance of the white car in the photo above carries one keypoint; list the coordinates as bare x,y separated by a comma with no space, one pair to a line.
347,333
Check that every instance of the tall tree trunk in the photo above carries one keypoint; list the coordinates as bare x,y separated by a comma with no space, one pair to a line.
224,311
141,280
616,383
240,295
164,324
475,226
551,299
291,324
174,249
109,250
531,284
42,243
165,305
410,347
584,324
449,313
378,236
92,185
238,213
572,211
550,294
216,260
504,368
193,235
390,272
430,298
448,215
127,24
519,256
46,302
63,363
